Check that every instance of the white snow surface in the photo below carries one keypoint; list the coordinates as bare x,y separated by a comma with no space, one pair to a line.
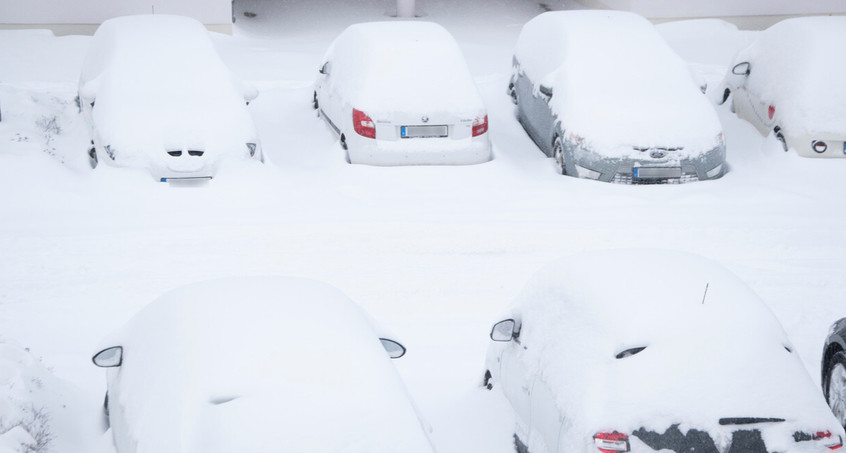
437,253
794,66
158,84
709,355
38,411
259,364
616,81
399,67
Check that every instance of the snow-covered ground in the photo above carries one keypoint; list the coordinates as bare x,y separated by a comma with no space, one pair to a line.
434,253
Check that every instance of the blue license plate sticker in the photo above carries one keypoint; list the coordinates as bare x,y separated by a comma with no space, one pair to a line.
404,131
634,172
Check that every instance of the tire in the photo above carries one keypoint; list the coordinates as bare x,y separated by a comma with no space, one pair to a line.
314,103
558,155
780,137
92,156
835,391
726,95
519,446
513,93
344,142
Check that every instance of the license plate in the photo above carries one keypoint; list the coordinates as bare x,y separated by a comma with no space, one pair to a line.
423,131
656,172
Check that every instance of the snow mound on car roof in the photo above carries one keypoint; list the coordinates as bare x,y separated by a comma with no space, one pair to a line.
160,84
707,355
616,81
261,364
402,67
798,66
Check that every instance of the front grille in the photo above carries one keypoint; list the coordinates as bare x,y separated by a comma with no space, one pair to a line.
626,178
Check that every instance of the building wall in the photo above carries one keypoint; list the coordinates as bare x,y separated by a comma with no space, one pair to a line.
751,14
83,16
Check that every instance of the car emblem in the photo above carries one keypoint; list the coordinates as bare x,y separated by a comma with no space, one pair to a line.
425,119
657,154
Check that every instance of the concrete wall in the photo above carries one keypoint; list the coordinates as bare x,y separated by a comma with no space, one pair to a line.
749,14
83,16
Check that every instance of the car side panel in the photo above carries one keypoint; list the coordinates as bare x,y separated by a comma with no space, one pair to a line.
546,418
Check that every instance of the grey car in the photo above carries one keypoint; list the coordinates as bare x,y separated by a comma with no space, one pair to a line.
834,370
603,94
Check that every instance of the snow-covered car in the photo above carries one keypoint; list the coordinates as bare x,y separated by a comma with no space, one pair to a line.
400,93
604,95
156,95
645,351
778,85
258,365
834,370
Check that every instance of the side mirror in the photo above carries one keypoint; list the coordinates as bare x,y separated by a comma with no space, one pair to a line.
741,69
504,330
395,350
324,69
109,357
546,91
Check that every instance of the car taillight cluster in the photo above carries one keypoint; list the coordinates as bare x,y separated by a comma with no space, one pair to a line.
824,437
611,442
363,124
480,126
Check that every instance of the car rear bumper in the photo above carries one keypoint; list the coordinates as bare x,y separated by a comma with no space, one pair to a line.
420,151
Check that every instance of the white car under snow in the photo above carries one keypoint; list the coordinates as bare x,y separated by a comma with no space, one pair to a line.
257,365
156,95
790,82
648,351
400,93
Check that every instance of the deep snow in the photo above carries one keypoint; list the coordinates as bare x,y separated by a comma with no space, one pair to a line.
435,253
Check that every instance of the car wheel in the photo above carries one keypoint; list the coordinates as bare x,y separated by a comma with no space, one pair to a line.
513,93
519,446
836,392
726,95
314,103
92,156
558,155
343,142
780,137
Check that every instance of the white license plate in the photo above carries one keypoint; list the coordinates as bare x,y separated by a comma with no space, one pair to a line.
656,172
423,131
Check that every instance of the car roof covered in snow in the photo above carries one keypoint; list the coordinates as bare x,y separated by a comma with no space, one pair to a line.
261,364
702,329
157,81
797,66
616,81
402,67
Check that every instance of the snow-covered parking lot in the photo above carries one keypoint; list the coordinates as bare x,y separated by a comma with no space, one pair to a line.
433,253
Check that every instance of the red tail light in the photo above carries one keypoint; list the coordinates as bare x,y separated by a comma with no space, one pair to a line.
480,126
823,437
771,111
611,442
363,125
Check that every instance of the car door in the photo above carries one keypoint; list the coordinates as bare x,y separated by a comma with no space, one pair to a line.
749,104
537,113
516,383
327,96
